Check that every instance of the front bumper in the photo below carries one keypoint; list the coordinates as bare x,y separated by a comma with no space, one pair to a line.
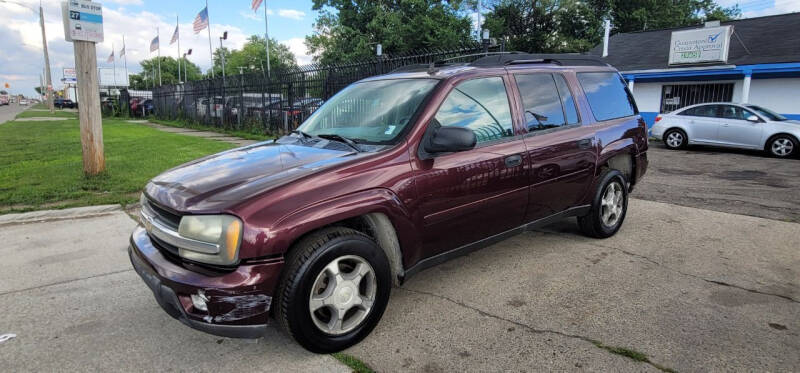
238,301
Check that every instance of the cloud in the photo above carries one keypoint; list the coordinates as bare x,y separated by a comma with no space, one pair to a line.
298,47
255,16
125,2
291,14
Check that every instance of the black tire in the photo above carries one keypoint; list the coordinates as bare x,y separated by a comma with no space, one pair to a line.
593,224
675,139
304,262
781,146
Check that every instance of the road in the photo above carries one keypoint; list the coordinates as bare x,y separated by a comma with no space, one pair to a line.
692,289
8,112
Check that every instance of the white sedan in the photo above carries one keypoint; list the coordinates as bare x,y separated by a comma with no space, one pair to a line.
731,125
23,102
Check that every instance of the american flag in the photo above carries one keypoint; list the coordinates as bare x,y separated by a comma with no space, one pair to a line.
154,44
111,57
255,4
174,36
122,51
201,21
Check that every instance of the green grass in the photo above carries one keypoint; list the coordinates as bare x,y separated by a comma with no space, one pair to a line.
353,363
40,105
58,113
632,354
250,135
41,164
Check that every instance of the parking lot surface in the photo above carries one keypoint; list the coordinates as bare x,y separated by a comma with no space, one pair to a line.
691,289
730,180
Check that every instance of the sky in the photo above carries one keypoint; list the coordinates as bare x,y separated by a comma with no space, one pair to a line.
21,58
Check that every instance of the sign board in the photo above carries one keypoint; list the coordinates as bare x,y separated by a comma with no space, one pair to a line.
107,78
703,45
83,20
69,76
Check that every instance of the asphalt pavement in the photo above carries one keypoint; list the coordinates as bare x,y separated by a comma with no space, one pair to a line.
10,111
690,289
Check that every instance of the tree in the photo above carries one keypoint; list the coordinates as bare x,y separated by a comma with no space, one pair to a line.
169,72
351,28
546,26
253,56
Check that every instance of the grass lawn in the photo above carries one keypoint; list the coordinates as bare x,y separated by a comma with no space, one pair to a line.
41,164
58,113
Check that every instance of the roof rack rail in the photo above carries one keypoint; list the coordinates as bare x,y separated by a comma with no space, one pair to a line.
561,59
441,62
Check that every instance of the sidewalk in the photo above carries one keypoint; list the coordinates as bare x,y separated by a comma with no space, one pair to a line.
198,133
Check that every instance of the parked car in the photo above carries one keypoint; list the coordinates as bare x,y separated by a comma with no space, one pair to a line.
732,125
213,109
23,102
392,175
62,103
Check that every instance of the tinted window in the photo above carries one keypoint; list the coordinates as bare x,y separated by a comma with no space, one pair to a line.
735,112
702,111
607,95
480,105
566,99
541,101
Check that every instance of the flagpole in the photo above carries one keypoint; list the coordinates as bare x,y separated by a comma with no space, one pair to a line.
266,34
127,79
158,36
177,28
210,51
114,60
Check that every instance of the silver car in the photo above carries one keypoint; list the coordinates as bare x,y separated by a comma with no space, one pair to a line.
726,124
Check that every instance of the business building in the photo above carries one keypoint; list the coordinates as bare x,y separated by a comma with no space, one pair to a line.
754,60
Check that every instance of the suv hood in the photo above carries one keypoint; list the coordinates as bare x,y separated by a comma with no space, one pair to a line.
216,182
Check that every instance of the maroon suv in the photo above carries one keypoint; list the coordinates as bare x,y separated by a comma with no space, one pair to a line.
394,174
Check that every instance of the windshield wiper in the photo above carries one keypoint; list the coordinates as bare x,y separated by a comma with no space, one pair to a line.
342,139
301,133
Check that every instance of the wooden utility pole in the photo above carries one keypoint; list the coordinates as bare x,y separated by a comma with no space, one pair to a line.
50,99
94,161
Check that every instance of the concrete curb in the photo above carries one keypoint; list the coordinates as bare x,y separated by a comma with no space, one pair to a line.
48,215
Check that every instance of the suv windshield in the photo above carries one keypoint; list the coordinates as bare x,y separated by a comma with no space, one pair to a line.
769,114
372,112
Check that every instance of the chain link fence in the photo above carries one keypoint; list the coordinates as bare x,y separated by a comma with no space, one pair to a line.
280,102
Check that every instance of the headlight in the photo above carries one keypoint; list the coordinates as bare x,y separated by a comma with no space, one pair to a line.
222,230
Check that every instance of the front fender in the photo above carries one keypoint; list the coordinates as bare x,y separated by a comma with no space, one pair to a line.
288,229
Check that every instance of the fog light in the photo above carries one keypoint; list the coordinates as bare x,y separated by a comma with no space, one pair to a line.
199,301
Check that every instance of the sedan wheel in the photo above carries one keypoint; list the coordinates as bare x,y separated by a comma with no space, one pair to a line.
611,204
675,139
782,146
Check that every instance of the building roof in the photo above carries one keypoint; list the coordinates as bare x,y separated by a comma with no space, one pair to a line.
770,39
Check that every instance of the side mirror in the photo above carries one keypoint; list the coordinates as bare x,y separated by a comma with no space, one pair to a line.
753,119
451,139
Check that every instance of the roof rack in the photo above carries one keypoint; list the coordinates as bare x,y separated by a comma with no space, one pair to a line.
517,58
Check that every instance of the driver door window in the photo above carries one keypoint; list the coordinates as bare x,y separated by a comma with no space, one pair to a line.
480,105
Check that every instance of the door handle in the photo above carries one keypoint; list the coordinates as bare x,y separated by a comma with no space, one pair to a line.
513,160
725,124
585,143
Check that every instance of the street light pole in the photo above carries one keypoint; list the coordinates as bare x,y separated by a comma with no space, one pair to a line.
49,82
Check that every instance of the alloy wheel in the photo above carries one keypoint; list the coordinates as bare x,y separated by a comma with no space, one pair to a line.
342,295
675,139
611,204
782,147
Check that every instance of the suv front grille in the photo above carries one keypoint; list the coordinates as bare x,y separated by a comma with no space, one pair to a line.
165,216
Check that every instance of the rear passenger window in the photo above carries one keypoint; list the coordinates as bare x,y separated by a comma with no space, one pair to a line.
541,101
566,99
607,95
480,105
702,111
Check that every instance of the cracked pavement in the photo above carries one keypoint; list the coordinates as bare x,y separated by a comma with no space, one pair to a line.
693,289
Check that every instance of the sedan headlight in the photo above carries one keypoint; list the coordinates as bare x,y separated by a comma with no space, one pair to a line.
222,230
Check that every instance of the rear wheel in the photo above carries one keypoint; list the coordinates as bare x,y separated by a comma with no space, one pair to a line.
675,139
782,146
609,206
334,289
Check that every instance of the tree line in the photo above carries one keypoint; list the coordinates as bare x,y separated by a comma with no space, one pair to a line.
348,30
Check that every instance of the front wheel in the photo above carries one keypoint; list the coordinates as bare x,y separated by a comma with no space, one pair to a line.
782,146
333,290
609,206
675,139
